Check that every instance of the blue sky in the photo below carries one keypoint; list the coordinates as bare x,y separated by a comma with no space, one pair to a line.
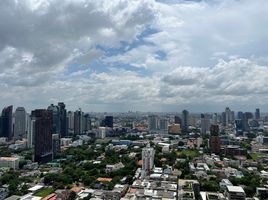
143,55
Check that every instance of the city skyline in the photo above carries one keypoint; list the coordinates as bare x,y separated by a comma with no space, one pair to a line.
144,55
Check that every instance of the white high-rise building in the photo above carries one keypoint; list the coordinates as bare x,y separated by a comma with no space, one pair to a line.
30,132
20,123
147,160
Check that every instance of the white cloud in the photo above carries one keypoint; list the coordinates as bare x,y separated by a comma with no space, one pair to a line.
202,43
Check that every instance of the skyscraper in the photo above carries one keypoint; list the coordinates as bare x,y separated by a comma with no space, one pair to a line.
205,123
177,120
55,144
55,118
147,159
78,122
63,119
214,140
43,150
30,130
20,123
70,122
257,114
108,121
185,121
6,122
86,123
152,122
163,125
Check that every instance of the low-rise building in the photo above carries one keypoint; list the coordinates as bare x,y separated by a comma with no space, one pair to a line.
10,162
115,167
235,193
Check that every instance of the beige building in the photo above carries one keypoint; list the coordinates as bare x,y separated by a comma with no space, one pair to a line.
10,162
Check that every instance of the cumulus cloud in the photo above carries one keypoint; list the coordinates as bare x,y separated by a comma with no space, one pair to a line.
139,55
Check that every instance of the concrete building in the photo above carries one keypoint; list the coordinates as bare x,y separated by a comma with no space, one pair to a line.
20,123
185,121
235,193
56,144
205,123
115,167
43,150
147,159
152,123
174,129
101,132
10,162
6,123
163,126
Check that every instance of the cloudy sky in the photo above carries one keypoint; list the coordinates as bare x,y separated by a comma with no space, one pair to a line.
145,55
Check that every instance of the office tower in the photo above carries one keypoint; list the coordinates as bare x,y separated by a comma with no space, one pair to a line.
55,118
215,118
152,122
30,130
43,135
223,119
214,139
246,117
108,121
147,159
163,126
78,122
185,121
63,120
257,114
20,123
229,116
86,123
205,123
240,115
177,120
70,122
6,122
55,144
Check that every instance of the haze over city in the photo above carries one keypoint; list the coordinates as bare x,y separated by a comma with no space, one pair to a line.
141,55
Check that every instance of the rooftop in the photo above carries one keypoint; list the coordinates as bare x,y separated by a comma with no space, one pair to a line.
235,189
9,158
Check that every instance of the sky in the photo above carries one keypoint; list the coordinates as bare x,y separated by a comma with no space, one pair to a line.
134,55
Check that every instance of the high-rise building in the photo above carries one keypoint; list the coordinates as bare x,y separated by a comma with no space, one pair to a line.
177,120
215,118
55,118
20,123
205,123
86,123
214,139
163,125
240,115
152,122
109,121
78,122
147,159
6,122
43,150
70,122
185,121
63,120
55,144
30,130
257,114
